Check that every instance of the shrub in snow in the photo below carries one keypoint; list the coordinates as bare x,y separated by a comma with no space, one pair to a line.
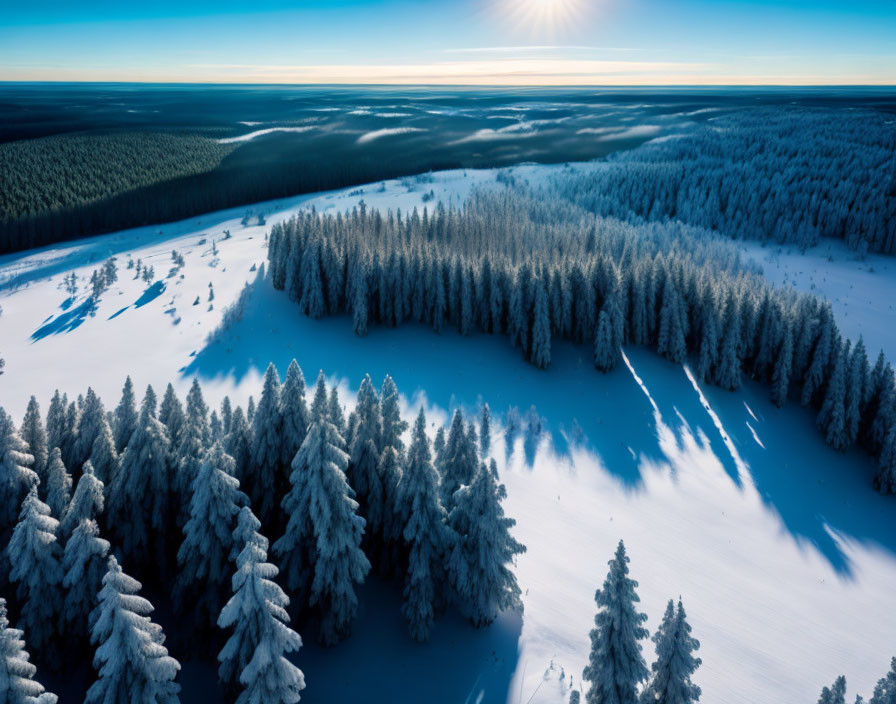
616,666
253,655
131,660
17,683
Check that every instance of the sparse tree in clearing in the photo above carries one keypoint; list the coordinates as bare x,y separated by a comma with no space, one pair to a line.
425,534
33,433
670,679
59,484
86,504
132,662
616,666
253,655
17,683
34,558
208,543
139,499
836,694
125,416
483,549
264,467
83,566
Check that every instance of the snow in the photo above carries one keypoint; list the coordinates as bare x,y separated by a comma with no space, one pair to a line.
258,133
782,553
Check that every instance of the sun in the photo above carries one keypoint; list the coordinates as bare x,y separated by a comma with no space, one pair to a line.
546,17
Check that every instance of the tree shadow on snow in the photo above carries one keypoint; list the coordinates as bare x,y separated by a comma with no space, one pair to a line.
64,322
620,417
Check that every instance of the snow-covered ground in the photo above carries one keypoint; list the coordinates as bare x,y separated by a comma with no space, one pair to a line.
783,555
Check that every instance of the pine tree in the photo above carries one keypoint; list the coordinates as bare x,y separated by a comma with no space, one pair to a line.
885,690
389,470
226,416
832,416
264,467
16,476
425,534
362,472
836,694
605,355
485,430
322,514
86,504
459,462
59,484
132,662
92,423
17,683
125,416
103,455
670,679
337,417
783,367
671,343
208,538
139,500
885,480
483,547
171,414
256,612
238,443
616,666
728,371
56,425
33,433
541,328
193,436
83,566
34,556
294,420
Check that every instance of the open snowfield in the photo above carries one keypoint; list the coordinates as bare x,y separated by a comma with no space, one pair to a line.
784,556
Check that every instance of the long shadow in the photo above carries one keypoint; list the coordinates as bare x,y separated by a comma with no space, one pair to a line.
64,322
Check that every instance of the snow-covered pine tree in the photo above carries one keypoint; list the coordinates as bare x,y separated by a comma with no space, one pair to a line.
250,412
17,683
132,662
605,354
857,391
831,418
294,422
171,414
264,467
671,342
616,666
783,367
885,480
337,417
482,549
885,690
226,416
253,655
238,443
59,484
139,507
16,476
215,427
56,426
193,435
83,566
33,433
92,422
459,463
125,416
362,472
103,455
322,512
485,430
670,678
728,371
438,448
540,351
34,558
208,545
425,534
86,504
836,694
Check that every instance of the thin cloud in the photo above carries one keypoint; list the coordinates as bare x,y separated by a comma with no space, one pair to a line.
387,132
545,47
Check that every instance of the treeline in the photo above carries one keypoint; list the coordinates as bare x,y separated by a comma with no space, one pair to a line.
884,690
171,492
791,175
56,188
515,264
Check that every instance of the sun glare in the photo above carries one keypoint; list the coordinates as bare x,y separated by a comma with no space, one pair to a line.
546,17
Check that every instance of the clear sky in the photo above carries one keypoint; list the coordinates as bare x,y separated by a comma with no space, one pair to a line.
560,42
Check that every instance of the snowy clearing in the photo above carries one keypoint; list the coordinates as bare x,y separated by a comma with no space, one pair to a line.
783,554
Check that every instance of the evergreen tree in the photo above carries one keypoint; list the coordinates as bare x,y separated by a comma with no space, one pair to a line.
83,566
885,690
171,414
322,542
16,476
264,467
836,694
226,416
139,505
33,433
671,342
103,455
541,328
193,438
256,612
783,366
885,480
485,430
337,417
832,416
605,354
208,538
238,443
459,463
483,547
616,666
34,557
56,425
86,504
69,444
132,662
59,484
424,532
294,419
670,679
125,416
362,470
92,423
728,372
17,683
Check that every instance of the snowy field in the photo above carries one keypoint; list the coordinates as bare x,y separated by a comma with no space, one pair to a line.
784,556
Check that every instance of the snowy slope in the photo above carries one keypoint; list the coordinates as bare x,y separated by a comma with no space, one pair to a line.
784,556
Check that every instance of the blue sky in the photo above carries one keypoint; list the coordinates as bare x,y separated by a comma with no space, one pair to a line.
597,42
